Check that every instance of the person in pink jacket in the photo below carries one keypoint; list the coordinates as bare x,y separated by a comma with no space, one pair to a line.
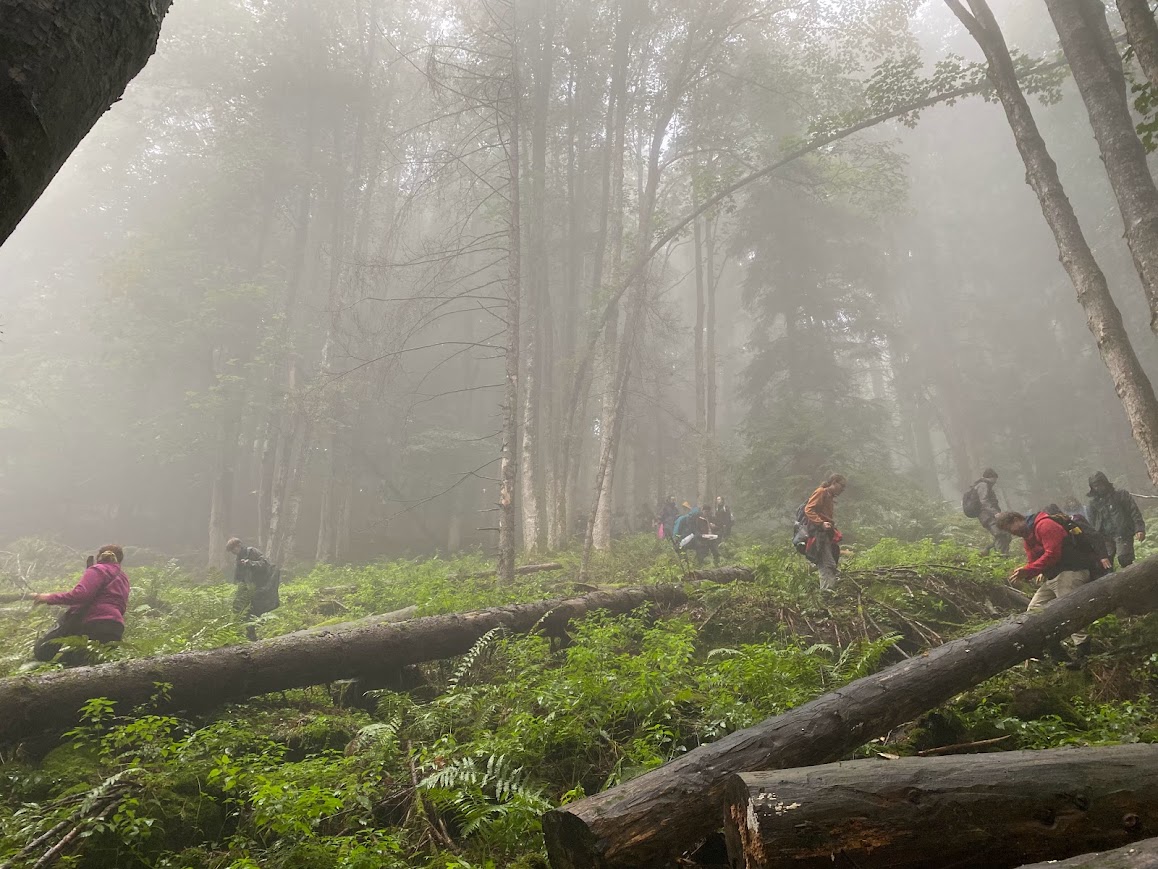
96,606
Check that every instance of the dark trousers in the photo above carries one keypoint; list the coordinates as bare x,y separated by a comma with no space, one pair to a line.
1001,539
50,645
1123,547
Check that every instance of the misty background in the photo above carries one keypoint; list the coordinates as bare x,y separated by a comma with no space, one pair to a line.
267,296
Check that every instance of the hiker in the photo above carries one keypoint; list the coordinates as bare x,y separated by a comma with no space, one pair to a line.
1075,508
708,537
667,517
257,582
724,518
980,502
96,608
1060,565
1115,514
824,547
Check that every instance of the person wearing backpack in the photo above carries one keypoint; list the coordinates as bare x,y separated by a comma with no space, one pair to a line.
823,549
257,584
96,608
1115,513
1061,560
980,502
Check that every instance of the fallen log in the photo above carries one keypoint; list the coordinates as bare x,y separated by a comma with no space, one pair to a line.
1140,855
980,811
652,819
34,705
519,571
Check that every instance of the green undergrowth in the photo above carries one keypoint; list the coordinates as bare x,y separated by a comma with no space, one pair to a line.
457,771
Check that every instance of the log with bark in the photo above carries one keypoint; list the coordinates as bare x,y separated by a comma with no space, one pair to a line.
1140,855
519,571
197,681
980,811
63,65
650,820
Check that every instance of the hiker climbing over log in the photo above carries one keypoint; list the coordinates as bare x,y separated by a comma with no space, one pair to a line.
1062,557
96,608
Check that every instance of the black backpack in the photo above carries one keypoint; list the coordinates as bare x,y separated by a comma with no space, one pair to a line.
800,530
1089,546
266,594
971,502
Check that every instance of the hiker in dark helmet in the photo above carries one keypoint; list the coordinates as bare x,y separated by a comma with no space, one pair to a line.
1061,560
980,502
1115,514
96,608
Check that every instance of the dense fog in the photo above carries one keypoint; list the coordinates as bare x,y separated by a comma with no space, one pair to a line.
273,292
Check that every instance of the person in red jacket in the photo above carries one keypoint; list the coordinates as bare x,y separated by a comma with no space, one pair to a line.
96,606
1055,562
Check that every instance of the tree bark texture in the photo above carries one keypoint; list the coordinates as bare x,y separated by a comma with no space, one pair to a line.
64,64
1097,69
1102,314
1140,855
651,820
205,680
980,811
1142,31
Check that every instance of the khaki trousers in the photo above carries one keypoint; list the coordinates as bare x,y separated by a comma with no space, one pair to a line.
1066,582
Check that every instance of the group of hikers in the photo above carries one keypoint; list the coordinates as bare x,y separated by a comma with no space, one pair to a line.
1065,546
693,529
97,604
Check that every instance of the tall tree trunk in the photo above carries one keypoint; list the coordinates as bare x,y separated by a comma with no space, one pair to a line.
221,496
64,65
537,292
1102,315
1142,31
1093,57
701,375
713,459
508,522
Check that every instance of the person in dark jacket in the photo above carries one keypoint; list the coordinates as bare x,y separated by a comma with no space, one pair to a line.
668,514
96,608
1115,514
1055,563
989,509
724,518
252,574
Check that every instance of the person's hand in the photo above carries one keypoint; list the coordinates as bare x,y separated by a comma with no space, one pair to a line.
1141,535
37,598
1107,564
1019,574
827,526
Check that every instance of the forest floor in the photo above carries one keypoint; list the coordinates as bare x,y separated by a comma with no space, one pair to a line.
456,771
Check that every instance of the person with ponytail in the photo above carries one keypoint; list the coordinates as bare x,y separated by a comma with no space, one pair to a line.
96,607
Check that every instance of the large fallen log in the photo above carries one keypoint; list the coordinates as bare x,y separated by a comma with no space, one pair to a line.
519,571
979,811
1140,855
62,64
650,820
202,680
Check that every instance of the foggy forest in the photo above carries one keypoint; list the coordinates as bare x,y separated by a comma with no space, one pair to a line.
578,433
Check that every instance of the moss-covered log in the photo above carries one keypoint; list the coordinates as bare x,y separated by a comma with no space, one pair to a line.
62,64
652,819
981,811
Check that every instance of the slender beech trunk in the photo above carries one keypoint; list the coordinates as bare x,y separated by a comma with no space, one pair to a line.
700,373
1142,31
1097,69
221,496
1102,315
508,520
537,290
711,397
